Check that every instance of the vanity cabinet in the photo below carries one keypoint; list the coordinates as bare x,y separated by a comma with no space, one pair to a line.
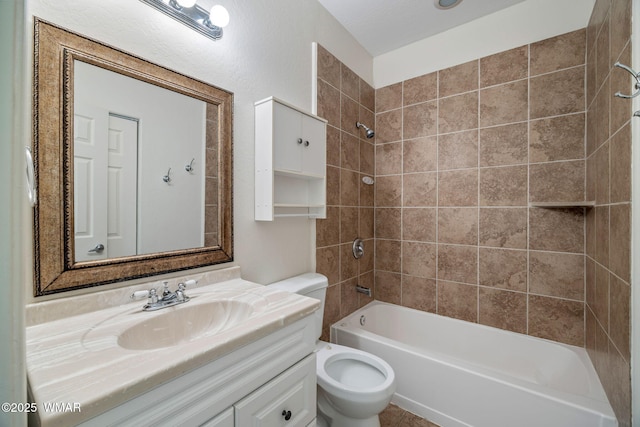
290,161
251,386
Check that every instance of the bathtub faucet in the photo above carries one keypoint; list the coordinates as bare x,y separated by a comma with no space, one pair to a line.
363,290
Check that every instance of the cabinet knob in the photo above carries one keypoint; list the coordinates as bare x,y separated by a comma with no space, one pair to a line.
286,414
299,140
306,143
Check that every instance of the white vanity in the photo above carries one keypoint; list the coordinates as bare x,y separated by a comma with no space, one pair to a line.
236,354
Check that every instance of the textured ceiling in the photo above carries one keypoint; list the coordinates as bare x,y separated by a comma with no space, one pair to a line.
385,25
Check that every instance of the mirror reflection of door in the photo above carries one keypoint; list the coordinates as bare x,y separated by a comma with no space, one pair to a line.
105,184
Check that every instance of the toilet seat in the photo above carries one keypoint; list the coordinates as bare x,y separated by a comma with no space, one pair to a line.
360,375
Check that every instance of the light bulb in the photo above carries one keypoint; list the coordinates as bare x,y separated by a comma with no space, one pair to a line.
186,3
219,16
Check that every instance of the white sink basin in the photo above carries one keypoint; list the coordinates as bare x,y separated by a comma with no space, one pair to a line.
182,323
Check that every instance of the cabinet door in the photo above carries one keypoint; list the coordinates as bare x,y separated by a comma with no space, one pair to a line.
224,419
287,400
287,131
314,153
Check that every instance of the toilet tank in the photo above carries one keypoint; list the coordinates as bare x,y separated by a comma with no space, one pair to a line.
312,285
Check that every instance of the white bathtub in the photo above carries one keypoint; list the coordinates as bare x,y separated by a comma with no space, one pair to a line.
458,373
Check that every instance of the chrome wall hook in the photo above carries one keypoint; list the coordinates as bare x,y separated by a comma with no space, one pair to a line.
636,85
167,177
189,167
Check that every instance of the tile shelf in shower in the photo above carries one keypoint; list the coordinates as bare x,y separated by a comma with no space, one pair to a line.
559,205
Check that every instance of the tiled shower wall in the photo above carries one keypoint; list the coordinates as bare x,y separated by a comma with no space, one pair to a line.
608,235
343,99
460,153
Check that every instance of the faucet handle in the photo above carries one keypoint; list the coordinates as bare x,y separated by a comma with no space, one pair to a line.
166,290
151,294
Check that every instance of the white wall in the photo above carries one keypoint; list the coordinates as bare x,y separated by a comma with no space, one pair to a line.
12,207
523,23
265,51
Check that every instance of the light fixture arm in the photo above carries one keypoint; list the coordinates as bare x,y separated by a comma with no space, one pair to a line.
194,17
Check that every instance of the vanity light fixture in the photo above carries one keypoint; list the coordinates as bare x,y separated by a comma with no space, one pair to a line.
194,16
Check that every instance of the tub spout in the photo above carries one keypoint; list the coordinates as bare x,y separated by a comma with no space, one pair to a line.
363,290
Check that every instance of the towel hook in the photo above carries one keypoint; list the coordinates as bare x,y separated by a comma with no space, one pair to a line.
189,167
167,177
635,75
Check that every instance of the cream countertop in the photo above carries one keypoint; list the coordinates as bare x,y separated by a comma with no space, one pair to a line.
77,360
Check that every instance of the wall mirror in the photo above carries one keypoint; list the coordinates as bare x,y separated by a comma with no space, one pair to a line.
133,166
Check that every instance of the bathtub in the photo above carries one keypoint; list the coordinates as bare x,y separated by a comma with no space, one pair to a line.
458,373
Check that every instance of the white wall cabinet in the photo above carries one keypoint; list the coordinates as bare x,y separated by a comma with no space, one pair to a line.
290,160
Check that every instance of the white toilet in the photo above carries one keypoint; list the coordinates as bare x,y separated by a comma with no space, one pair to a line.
353,386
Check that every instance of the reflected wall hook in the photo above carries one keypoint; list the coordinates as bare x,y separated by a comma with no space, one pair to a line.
167,177
636,86
189,167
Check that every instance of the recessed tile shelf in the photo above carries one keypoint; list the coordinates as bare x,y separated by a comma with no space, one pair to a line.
551,205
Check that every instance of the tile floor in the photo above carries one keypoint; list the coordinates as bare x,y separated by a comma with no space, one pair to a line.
394,416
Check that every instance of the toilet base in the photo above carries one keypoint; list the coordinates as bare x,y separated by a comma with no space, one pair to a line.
337,419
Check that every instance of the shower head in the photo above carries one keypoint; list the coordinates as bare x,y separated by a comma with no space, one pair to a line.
370,132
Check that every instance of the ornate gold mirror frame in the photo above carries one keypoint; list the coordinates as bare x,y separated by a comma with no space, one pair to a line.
55,50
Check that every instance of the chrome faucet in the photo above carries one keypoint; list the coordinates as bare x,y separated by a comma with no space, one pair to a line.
167,299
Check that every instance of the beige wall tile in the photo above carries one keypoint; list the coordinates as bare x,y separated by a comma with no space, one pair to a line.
503,269
556,53
458,226
350,152
420,120
503,186
388,287
367,157
388,191
328,230
557,181
458,300
557,138
458,79
419,224
349,224
620,316
328,263
557,274
389,97
420,189
420,89
348,264
503,227
349,115
459,112
556,230
619,82
388,223
620,234
388,127
420,154
458,150
560,92
350,83
419,259
556,319
503,309
328,67
621,165
458,263
602,235
389,159
503,145
367,223
367,95
391,259
329,103
333,146
419,293
504,67
458,188
349,187
503,104
367,192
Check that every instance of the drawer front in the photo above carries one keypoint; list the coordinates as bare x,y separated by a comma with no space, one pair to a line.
289,400
225,419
